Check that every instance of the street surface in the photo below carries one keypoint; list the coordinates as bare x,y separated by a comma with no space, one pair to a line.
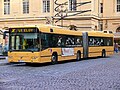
92,74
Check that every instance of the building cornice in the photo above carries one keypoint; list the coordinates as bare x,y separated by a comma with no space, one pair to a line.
21,19
111,18
79,17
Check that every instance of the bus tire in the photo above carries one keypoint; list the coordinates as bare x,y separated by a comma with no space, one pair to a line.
103,53
54,58
78,57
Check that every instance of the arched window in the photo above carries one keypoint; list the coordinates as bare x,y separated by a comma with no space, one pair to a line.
118,29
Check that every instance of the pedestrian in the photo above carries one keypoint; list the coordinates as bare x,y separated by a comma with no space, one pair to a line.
116,47
1,48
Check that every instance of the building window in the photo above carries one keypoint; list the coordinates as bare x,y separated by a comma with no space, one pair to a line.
118,5
118,29
6,7
46,5
25,6
101,7
72,5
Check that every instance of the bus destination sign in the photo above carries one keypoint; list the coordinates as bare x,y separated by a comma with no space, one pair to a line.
22,30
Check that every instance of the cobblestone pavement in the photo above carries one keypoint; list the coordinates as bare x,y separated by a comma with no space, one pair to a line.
92,74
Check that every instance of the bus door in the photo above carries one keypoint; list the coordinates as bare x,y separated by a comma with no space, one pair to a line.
16,42
85,44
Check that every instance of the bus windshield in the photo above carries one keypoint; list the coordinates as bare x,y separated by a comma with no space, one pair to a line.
24,42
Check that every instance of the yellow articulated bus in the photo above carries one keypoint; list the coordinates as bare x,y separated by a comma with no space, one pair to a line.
43,43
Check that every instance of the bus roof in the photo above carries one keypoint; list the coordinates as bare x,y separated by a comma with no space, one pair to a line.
52,29
59,30
99,34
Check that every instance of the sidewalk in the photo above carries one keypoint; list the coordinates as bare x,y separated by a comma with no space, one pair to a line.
2,57
3,60
117,53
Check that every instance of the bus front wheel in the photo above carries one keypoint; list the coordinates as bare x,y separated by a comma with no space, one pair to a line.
54,58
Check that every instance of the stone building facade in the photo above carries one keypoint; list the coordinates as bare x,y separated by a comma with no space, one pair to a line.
96,15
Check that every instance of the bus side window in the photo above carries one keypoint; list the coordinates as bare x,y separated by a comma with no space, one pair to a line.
44,41
59,42
54,41
78,41
70,40
91,41
97,41
105,41
101,42
111,41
